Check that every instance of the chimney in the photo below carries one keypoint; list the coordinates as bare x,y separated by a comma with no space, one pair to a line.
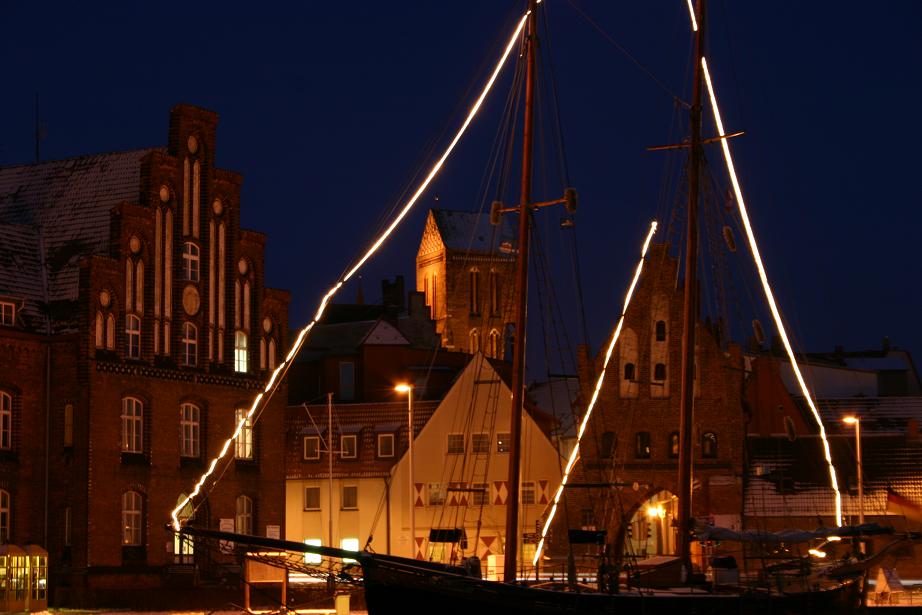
392,293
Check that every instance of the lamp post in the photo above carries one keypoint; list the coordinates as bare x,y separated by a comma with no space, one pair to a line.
408,389
854,420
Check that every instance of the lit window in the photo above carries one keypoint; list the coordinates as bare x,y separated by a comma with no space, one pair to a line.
674,444
131,519
133,336
436,494
659,371
132,425
480,443
385,445
243,521
244,448
312,558
503,442
7,313
709,445
349,544
240,352
100,328
183,545
350,497
4,517
190,262
311,447
475,341
480,494
528,493
456,444
312,498
189,344
642,445
494,348
660,331
348,447
346,380
6,421
189,426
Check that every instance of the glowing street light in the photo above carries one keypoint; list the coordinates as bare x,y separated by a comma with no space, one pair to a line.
408,389
854,420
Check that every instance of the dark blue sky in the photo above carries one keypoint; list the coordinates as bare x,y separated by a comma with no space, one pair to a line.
330,109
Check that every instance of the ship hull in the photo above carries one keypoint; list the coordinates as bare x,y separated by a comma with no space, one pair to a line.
398,585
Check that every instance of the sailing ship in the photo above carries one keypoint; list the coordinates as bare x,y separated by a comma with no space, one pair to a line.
391,583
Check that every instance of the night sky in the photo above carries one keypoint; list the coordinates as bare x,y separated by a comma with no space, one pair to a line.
331,109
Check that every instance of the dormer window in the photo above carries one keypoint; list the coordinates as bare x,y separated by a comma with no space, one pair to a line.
7,313
190,262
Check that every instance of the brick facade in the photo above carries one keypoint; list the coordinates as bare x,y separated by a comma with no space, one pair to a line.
173,259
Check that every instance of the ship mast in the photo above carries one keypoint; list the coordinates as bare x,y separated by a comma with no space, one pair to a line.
518,352
690,309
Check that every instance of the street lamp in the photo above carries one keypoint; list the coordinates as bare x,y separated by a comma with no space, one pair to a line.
854,420
408,389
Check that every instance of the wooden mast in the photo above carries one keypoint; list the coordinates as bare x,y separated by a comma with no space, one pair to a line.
518,353
690,310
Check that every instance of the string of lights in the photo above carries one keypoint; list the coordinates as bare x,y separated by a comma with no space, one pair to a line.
302,336
574,455
769,295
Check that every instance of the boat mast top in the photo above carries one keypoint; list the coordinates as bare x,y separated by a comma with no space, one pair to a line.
518,352
690,309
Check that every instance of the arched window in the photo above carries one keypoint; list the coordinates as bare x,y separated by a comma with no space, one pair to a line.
133,336
660,330
494,348
659,371
630,371
132,425
475,291
100,330
709,445
110,332
609,442
131,519
244,518
190,262
674,444
189,344
475,340
190,430
240,352
4,517
244,446
6,421
494,293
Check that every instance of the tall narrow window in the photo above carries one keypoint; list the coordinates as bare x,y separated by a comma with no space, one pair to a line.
346,380
350,497
68,425
435,294
131,518
240,352
183,545
7,313
642,445
189,344
475,340
190,428
674,445
100,330
385,445
630,372
132,425
659,371
190,262
244,447
4,517
660,331
6,421
494,293
133,336
494,348
475,291
110,332
243,522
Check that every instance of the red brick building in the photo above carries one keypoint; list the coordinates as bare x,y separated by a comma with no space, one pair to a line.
135,326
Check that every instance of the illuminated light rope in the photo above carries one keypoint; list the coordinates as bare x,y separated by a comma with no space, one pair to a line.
691,13
776,315
302,336
574,455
